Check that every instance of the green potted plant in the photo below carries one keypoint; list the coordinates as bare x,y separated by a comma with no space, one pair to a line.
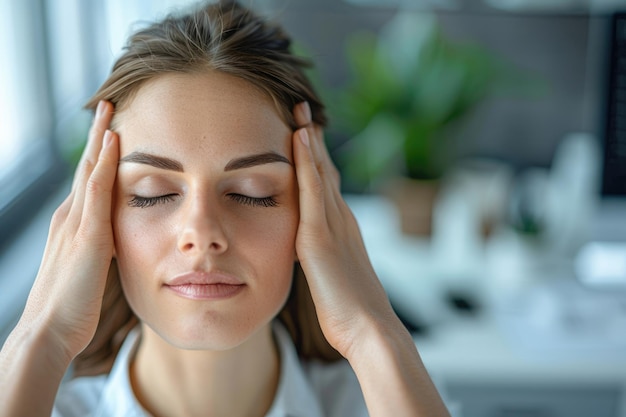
410,87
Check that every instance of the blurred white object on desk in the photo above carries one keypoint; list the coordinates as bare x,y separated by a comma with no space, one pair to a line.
404,264
471,203
602,264
573,192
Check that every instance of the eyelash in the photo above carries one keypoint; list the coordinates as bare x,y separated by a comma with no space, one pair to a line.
144,202
252,201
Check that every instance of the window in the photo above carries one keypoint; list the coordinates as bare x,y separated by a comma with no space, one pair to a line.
55,54
27,155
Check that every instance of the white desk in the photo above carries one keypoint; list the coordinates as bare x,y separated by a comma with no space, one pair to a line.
489,361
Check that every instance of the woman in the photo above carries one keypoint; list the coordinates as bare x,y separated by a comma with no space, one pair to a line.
205,262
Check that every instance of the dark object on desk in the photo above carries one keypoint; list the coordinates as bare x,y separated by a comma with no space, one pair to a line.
462,303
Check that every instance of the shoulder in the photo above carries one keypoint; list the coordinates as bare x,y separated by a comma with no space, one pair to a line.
79,397
337,387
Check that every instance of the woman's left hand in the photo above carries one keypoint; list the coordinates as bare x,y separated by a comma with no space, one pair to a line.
349,299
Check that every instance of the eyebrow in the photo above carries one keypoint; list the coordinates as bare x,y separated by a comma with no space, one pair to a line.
162,162
258,159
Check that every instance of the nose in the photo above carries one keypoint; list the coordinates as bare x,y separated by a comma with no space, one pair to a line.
201,230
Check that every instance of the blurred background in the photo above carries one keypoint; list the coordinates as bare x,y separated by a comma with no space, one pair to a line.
482,145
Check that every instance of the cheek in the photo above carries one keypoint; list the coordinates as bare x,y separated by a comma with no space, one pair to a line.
129,234
266,242
270,230
270,251
138,241
134,229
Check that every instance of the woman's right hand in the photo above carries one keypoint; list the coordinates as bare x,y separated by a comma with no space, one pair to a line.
67,294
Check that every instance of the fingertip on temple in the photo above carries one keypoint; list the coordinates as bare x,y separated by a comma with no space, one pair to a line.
304,137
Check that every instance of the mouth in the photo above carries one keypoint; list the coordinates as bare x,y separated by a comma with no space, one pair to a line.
205,286
206,291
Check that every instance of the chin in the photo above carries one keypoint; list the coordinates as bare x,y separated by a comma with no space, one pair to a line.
218,335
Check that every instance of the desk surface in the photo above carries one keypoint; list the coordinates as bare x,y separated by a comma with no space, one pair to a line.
493,346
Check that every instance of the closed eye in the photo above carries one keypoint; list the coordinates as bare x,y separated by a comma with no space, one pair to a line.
253,201
143,202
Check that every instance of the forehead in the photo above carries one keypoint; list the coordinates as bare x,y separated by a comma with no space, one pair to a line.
209,113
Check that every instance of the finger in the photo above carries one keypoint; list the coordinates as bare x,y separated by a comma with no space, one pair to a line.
326,167
101,122
303,118
302,114
99,189
310,185
89,158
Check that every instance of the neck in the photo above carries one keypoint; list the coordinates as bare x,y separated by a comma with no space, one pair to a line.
174,382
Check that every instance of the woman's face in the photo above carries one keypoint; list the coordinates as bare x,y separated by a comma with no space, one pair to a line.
206,209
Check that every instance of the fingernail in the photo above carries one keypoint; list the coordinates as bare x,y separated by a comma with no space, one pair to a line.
100,108
306,109
304,137
108,136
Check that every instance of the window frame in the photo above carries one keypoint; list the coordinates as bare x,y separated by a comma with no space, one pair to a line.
41,170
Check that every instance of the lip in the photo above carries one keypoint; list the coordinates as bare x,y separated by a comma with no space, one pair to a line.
205,285
204,278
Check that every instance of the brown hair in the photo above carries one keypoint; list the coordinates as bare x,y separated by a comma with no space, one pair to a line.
229,38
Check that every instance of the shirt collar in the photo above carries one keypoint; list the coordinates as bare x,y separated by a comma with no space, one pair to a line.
118,398
295,396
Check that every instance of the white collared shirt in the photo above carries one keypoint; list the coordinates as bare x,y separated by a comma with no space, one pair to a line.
305,389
